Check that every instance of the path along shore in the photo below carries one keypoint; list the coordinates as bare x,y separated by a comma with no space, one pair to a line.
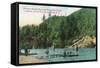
31,59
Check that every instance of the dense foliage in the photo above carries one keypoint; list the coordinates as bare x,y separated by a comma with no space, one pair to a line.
58,31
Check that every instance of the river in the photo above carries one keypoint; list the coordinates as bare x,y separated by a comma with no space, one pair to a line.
84,54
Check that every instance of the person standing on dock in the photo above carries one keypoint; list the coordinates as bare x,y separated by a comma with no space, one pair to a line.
77,50
64,55
47,52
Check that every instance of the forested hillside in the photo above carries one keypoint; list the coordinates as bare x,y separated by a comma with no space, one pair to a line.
61,31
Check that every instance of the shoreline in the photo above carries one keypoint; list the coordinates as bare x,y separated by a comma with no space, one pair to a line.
31,59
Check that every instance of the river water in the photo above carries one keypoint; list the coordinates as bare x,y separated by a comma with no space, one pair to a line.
84,54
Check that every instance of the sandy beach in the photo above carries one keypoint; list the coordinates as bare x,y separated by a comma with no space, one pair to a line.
31,59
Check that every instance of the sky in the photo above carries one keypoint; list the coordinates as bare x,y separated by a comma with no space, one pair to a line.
33,14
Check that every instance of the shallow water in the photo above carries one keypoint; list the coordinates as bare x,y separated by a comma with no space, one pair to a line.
84,54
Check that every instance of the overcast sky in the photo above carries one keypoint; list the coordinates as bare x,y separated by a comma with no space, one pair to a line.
33,14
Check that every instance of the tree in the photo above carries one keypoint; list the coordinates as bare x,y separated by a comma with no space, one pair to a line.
50,14
43,17
25,39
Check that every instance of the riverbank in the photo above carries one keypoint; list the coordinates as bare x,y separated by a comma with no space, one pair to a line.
85,42
31,59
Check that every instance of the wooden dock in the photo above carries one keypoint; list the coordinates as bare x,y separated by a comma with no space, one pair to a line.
65,54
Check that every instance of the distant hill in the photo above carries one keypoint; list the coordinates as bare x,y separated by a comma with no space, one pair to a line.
61,31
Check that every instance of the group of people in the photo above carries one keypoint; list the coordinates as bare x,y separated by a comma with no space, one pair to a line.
65,53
